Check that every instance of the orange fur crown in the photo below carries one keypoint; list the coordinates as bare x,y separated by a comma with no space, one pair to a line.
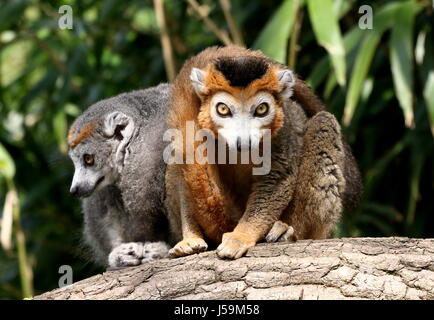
85,132
235,75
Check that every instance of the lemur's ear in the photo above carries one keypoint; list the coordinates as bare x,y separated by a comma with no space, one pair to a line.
118,125
197,77
287,81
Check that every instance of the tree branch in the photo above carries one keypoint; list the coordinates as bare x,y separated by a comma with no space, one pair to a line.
235,31
349,268
221,34
169,61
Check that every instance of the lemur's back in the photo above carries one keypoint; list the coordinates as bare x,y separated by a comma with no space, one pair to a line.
142,181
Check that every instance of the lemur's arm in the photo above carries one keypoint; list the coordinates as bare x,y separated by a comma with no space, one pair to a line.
192,237
270,195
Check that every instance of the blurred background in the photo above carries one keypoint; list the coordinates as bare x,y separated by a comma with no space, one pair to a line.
378,82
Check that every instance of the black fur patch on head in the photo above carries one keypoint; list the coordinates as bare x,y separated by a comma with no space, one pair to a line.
241,71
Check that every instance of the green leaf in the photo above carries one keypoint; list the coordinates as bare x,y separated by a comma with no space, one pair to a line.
327,32
417,165
341,7
273,39
16,53
7,165
321,69
11,12
144,20
401,58
382,21
376,222
428,93
385,210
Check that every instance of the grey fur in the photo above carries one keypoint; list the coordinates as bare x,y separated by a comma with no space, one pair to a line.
124,215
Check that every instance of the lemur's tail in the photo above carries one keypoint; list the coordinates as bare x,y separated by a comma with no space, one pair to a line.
304,95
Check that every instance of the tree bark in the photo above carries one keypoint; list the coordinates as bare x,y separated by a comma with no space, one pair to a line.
348,268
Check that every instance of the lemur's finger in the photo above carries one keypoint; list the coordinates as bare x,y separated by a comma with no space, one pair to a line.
180,251
241,252
126,254
277,231
175,252
198,245
188,246
288,236
225,252
122,260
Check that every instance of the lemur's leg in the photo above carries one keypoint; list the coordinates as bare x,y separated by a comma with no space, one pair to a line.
270,193
318,199
183,208
102,234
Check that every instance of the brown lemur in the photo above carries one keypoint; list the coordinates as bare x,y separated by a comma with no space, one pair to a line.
236,93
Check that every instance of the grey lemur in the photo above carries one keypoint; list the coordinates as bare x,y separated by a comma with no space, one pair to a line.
116,147
238,94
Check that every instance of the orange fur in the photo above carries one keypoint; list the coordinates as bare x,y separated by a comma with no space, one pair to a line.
268,82
204,117
84,133
211,204
215,82
209,201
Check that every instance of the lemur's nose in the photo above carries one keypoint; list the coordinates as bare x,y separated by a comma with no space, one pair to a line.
74,190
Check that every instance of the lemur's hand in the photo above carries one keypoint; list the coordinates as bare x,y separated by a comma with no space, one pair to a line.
154,251
281,232
188,246
134,253
234,245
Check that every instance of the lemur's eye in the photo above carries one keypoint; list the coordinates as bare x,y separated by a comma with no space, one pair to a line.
223,110
89,159
261,110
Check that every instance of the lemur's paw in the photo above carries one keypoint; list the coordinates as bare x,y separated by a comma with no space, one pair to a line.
234,245
154,251
288,236
188,246
281,232
278,229
126,255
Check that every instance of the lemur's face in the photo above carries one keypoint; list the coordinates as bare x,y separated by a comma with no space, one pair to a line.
241,122
94,168
241,98
98,150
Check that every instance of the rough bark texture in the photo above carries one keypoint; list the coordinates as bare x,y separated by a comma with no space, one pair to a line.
356,268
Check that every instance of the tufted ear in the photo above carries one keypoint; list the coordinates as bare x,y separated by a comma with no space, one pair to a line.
197,77
287,81
119,126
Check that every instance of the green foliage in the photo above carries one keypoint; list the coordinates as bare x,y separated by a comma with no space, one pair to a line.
273,40
327,32
379,83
